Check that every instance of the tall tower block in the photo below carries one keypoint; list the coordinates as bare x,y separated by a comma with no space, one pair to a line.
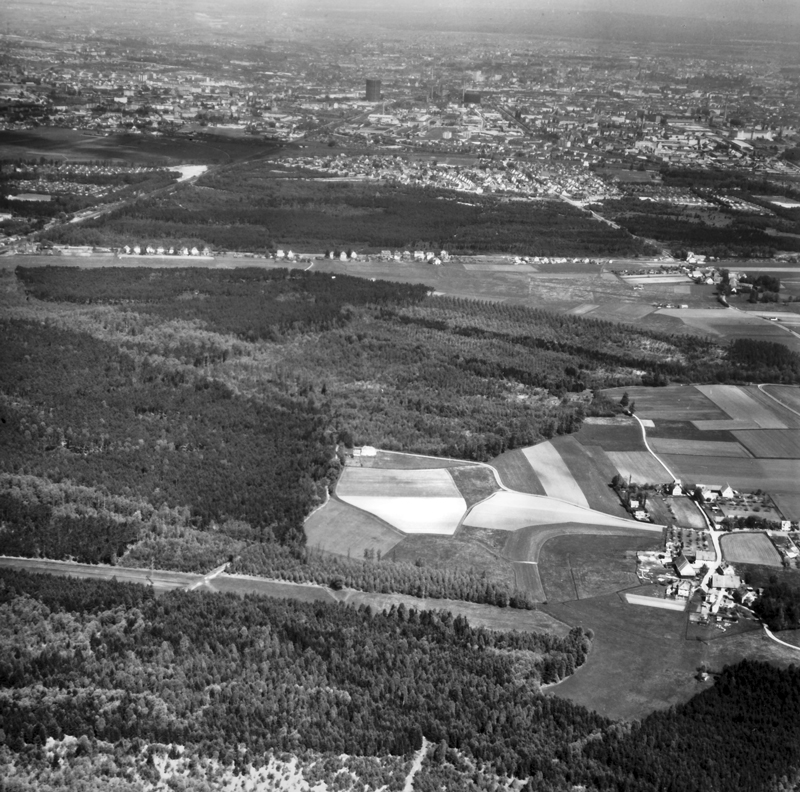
373,90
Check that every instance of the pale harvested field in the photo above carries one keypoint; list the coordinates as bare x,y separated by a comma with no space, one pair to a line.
510,511
342,529
672,403
750,548
772,475
772,443
726,425
434,515
554,474
687,515
372,482
639,466
584,308
740,406
655,602
670,445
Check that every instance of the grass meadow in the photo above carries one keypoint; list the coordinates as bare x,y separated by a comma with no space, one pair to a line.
347,531
750,548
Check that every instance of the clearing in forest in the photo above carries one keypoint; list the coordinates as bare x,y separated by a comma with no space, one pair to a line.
554,474
750,548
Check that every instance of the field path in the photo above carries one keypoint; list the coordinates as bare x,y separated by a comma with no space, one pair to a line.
653,453
778,640
416,766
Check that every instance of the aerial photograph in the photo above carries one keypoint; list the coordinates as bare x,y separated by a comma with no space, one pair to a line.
400,396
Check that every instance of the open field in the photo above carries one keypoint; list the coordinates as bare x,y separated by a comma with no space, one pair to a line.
778,408
613,434
686,430
516,473
730,324
789,504
554,474
592,481
474,482
687,515
772,443
741,406
640,660
342,529
244,584
526,577
453,552
510,511
581,566
73,146
372,482
639,467
786,394
749,548
393,460
673,402
409,514
665,445
526,544
772,475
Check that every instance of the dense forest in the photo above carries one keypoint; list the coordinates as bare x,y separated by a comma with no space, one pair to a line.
223,682
244,207
779,603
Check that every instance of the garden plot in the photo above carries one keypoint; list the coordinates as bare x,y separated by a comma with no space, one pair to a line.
554,474
670,445
639,467
686,513
750,548
413,501
510,511
740,406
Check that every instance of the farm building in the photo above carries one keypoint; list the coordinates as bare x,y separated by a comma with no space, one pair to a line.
684,568
728,581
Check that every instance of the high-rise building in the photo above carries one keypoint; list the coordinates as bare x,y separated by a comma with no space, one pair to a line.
373,90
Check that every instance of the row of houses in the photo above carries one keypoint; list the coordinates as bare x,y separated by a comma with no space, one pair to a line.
149,250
